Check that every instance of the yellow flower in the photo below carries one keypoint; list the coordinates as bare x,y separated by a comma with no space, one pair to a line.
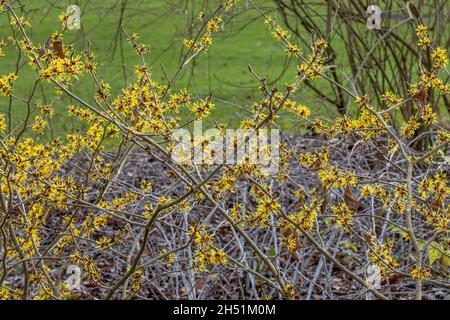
146,186
391,99
39,125
306,216
343,215
236,212
2,122
213,24
218,256
439,57
429,117
6,83
167,258
421,30
203,239
103,243
230,4
420,273
136,280
381,255
201,16
300,110
289,291
270,21
4,294
424,42
47,110
362,101
103,91
279,33
292,49
202,108
409,128
63,17
320,44
19,22
313,67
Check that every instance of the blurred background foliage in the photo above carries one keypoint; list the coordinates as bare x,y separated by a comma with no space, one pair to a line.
366,61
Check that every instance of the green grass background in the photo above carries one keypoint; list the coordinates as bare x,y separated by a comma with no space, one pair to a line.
163,24
223,70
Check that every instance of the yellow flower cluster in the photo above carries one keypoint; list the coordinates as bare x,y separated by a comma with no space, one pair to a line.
168,258
230,4
316,160
6,84
433,191
391,99
380,254
140,48
315,63
2,54
2,123
299,110
202,108
424,40
343,215
226,182
420,273
261,216
88,265
39,125
332,177
206,254
204,42
367,125
213,24
136,280
4,293
307,215
19,23
439,57
410,127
